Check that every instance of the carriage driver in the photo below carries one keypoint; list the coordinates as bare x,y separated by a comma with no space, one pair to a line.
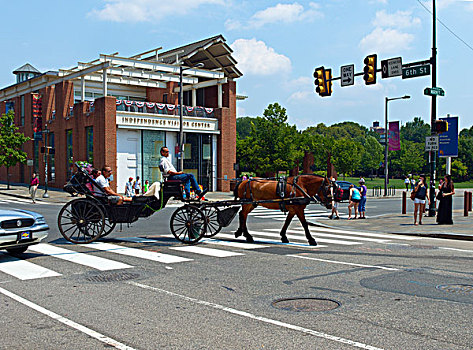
188,179
102,181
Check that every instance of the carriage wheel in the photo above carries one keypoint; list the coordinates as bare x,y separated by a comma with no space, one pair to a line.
188,224
81,221
109,226
213,227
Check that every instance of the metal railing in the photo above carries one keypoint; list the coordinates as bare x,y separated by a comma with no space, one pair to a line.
376,191
391,191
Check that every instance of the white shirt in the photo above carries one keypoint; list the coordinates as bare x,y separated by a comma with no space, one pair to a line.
167,166
102,182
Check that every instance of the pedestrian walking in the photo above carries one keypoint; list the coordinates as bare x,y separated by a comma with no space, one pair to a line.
447,190
420,198
337,196
34,183
413,184
146,186
362,204
354,200
129,187
137,185
407,182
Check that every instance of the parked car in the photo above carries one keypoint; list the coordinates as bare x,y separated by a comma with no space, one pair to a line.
20,229
345,186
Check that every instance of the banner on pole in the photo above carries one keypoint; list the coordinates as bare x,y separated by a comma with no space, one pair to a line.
394,140
448,141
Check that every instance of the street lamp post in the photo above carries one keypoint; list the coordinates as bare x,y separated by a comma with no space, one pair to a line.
181,119
386,142
46,158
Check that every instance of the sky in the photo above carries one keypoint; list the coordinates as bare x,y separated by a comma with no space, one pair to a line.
277,45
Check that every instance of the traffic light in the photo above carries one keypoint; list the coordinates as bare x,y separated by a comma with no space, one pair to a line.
370,69
328,81
320,83
441,126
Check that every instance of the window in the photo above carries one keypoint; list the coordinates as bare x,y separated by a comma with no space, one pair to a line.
69,154
22,118
89,144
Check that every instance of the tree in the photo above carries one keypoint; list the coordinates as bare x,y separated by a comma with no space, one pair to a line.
11,143
415,131
346,155
243,127
409,160
465,150
372,155
459,170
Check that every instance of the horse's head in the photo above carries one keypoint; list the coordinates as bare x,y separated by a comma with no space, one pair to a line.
318,187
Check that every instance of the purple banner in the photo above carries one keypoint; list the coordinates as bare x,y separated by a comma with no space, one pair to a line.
394,141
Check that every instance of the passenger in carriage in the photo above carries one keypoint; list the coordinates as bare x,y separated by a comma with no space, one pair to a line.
103,182
188,179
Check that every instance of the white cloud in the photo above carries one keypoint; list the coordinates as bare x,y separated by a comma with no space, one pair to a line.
440,4
146,10
231,24
400,19
284,13
302,95
255,58
386,41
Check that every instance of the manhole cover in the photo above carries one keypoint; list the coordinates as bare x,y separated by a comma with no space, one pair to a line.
112,277
457,288
305,304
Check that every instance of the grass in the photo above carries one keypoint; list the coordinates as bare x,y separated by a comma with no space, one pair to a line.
397,183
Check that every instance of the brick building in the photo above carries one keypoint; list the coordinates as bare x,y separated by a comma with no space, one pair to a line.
120,111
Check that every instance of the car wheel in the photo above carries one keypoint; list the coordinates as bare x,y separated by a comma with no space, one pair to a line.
17,250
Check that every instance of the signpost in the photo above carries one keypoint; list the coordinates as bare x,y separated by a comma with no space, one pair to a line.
415,71
438,91
432,143
391,67
347,74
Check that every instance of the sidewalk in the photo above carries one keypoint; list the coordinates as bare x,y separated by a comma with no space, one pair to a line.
394,223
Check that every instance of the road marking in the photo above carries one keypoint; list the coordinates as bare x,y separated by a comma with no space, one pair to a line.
67,322
457,250
343,263
206,251
79,258
241,245
137,253
273,242
258,318
366,234
136,240
323,240
328,235
24,270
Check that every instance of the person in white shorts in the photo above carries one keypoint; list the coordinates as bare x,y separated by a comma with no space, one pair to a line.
421,196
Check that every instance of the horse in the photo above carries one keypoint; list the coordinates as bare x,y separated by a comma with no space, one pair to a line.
263,192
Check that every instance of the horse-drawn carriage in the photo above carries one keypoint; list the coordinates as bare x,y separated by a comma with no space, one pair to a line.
91,216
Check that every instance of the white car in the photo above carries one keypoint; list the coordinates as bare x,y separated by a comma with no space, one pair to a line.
20,229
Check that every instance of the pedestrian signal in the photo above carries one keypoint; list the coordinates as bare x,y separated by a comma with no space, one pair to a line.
370,69
441,126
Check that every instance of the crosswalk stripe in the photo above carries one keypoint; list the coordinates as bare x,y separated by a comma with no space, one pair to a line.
328,235
206,251
366,234
78,258
273,242
23,270
323,240
137,253
136,240
241,245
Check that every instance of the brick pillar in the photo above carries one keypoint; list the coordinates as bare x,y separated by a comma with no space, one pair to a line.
226,147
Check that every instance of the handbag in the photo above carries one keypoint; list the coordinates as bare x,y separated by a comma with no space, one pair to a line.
413,195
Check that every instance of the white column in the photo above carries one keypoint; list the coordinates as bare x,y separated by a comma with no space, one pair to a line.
214,163
220,95
194,97
82,89
448,166
105,82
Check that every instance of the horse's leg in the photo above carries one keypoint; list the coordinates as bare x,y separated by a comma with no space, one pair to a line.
300,214
242,229
289,217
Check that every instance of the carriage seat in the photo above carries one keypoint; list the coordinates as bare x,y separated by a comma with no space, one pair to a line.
172,188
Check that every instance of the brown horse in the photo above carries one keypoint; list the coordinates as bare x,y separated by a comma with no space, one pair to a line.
310,187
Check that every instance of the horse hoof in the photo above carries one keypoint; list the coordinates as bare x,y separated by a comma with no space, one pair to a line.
250,240
238,234
312,242
284,240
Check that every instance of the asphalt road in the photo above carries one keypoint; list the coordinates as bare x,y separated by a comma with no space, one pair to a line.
357,290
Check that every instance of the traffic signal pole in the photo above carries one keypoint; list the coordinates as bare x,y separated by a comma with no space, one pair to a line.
433,115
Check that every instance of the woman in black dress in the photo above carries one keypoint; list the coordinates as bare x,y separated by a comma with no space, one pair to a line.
444,215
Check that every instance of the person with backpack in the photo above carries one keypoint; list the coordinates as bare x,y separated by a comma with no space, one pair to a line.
362,204
337,196
355,197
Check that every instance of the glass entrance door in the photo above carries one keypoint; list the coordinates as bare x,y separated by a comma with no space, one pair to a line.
198,157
